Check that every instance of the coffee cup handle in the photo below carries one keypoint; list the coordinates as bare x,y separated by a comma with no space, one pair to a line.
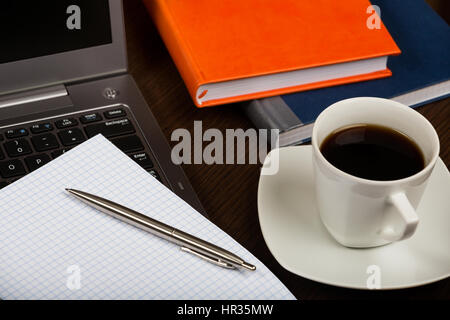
405,217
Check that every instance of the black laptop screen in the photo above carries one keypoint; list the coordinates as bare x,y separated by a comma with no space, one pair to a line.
30,29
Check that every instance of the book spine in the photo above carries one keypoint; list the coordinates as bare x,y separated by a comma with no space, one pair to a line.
175,44
271,113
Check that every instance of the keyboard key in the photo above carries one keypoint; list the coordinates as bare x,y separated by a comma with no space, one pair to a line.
66,123
71,137
116,113
89,118
12,168
35,162
57,153
111,128
3,184
128,144
45,142
17,148
154,174
16,133
142,159
2,156
41,128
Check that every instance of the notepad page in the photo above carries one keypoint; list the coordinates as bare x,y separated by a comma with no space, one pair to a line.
52,246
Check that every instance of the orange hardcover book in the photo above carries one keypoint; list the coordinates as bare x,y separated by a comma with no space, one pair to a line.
234,50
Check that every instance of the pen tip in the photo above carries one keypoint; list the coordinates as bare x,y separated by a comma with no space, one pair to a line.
68,189
248,266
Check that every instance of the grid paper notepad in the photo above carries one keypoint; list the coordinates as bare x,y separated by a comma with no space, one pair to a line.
52,246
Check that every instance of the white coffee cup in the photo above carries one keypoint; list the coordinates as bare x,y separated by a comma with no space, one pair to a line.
366,213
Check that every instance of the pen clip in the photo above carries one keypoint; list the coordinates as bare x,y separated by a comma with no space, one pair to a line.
215,261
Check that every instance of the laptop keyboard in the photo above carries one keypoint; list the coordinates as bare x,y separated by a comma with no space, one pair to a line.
28,147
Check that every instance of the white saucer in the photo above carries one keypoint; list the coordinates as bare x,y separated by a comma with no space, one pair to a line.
300,243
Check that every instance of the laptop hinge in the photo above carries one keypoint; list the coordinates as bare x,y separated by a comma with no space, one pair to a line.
33,96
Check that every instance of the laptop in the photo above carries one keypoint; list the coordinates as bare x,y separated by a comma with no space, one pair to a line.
63,80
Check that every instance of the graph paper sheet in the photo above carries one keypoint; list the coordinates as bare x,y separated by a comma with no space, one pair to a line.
52,246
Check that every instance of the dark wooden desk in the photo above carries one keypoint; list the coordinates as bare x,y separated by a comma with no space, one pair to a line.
228,192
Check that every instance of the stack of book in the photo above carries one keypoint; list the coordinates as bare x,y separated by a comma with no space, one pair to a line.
419,75
314,53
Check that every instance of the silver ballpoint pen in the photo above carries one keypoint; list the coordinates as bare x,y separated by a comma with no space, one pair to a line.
188,243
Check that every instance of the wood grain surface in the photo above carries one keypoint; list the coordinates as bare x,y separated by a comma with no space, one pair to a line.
229,192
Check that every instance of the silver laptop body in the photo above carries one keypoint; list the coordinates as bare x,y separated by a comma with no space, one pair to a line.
59,87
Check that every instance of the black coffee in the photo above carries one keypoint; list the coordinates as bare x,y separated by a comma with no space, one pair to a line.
373,152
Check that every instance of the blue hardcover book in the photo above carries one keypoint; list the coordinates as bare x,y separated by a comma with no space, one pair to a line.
421,74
